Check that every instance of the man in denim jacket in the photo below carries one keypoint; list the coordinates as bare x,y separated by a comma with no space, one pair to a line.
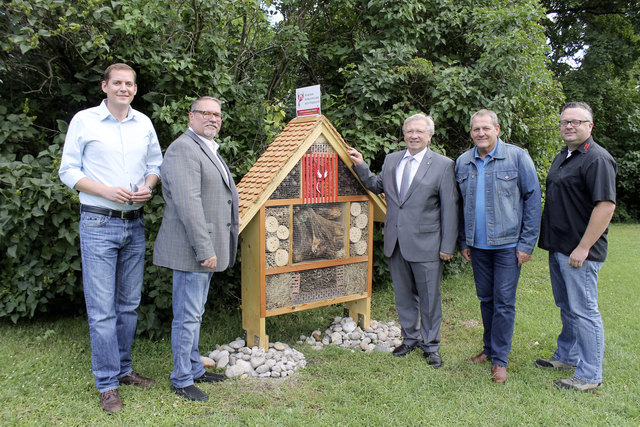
501,213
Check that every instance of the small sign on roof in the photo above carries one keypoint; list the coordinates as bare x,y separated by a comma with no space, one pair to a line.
308,101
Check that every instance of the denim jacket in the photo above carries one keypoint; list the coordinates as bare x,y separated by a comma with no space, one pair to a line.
512,198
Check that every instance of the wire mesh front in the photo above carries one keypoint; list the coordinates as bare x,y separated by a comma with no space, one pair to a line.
359,229
348,185
277,236
287,289
319,231
290,187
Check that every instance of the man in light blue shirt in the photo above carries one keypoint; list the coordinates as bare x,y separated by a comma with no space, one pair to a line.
112,157
501,218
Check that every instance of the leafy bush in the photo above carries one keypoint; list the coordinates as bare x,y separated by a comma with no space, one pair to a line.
628,208
39,235
377,62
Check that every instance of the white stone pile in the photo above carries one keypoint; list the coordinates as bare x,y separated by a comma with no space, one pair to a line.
281,360
241,361
345,332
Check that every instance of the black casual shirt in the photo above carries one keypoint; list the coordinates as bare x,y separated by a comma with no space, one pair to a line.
574,186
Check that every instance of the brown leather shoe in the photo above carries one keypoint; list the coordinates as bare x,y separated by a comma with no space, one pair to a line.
479,358
136,379
499,374
110,401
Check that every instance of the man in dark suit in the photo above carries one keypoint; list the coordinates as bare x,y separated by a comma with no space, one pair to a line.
420,231
199,235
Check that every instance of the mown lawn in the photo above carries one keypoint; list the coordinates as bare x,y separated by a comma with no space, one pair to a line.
45,367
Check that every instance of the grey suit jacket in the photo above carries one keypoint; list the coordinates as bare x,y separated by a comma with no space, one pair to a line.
201,213
426,222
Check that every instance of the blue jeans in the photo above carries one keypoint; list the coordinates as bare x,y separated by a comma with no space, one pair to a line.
112,253
496,274
189,298
581,341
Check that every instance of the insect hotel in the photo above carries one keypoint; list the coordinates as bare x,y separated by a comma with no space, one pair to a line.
307,229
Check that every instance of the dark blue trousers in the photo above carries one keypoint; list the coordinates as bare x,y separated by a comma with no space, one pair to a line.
496,274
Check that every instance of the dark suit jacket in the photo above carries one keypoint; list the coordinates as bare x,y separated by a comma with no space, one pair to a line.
426,222
201,213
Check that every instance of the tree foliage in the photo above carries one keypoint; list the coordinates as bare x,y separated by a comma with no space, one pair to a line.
377,61
380,61
53,55
596,51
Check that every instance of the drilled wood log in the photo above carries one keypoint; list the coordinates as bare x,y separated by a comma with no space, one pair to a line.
273,243
271,224
282,257
355,234
360,248
283,232
362,220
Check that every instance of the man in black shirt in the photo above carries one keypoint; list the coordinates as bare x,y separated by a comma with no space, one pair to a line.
581,196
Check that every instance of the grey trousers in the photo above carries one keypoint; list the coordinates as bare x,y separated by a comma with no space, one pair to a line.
416,286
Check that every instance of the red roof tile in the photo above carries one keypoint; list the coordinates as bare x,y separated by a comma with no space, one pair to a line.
255,182
260,177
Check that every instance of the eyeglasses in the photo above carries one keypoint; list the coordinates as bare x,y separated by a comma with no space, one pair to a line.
574,123
208,114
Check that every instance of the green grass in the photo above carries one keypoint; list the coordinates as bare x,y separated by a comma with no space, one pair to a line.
45,367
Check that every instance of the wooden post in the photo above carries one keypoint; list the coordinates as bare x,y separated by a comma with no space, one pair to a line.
253,322
360,311
255,332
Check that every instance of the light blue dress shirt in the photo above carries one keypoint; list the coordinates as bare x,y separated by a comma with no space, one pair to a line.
117,154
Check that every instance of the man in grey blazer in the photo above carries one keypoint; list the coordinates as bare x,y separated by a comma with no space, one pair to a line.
420,231
198,235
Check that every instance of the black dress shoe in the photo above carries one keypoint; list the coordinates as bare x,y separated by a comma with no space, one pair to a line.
433,358
210,377
403,349
191,392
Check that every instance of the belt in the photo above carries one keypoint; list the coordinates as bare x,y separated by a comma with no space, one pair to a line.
110,212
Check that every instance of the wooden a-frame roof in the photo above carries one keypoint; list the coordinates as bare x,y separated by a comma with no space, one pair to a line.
280,158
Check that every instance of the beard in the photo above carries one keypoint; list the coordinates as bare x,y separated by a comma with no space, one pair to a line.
210,131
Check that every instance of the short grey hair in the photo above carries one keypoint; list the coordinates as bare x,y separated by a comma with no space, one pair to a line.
485,112
194,104
581,105
420,116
